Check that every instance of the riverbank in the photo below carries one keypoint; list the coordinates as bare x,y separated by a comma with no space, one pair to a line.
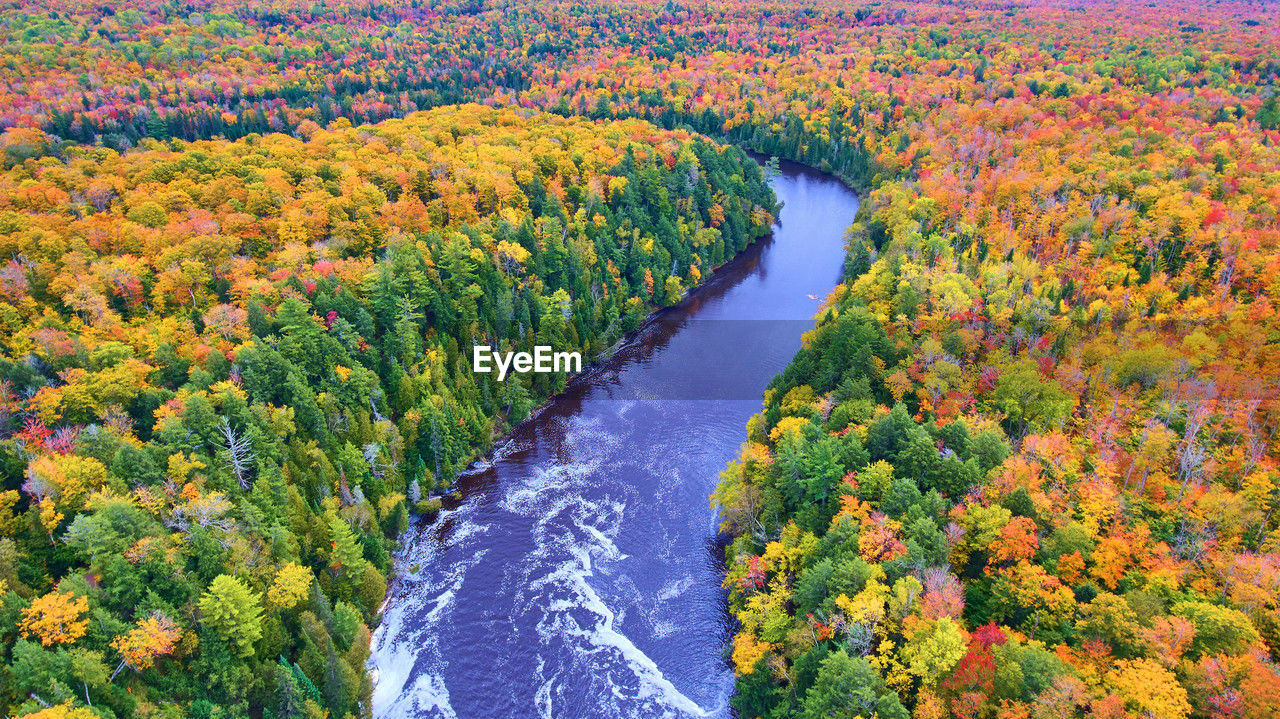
583,553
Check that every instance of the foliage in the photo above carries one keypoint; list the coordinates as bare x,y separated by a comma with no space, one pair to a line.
245,365
55,618
152,637
234,611
233,321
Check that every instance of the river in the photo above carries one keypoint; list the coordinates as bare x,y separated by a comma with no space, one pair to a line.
580,575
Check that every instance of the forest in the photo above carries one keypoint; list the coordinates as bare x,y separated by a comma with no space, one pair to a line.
1024,466
233,371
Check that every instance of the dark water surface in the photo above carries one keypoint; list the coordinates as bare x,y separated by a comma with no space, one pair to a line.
580,575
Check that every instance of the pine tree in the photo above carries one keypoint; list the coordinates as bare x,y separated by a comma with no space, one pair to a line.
345,553
235,612
157,127
1269,114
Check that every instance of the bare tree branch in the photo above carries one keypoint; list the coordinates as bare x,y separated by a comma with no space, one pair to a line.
237,452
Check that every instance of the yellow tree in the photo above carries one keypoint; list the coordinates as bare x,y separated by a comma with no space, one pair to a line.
291,585
65,710
747,650
1149,689
55,618
234,611
149,639
50,517
933,651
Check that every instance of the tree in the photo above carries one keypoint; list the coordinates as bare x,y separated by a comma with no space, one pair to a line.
234,612
1269,113
1261,690
1110,618
152,637
1168,639
1025,669
1218,630
345,555
237,451
846,687
1149,688
934,651
55,618
1030,401
116,525
65,710
747,651
1016,542
66,479
292,584
296,694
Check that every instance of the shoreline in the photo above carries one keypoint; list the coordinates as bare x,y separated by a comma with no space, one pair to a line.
419,522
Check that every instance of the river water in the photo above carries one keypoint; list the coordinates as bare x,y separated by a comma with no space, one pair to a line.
580,575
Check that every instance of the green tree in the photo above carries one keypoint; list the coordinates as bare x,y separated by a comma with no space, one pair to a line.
1028,400
1219,630
933,653
345,553
1269,113
846,687
234,611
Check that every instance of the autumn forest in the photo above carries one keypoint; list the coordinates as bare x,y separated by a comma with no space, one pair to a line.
1025,465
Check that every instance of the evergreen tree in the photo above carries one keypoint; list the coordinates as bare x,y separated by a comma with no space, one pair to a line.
235,612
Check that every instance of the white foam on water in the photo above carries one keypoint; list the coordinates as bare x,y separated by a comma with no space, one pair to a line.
495,455
445,599
587,436
676,587
580,424
664,629
542,697
408,635
463,531
390,671
429,697
604,636
563,598
607,548
535,493
476,467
